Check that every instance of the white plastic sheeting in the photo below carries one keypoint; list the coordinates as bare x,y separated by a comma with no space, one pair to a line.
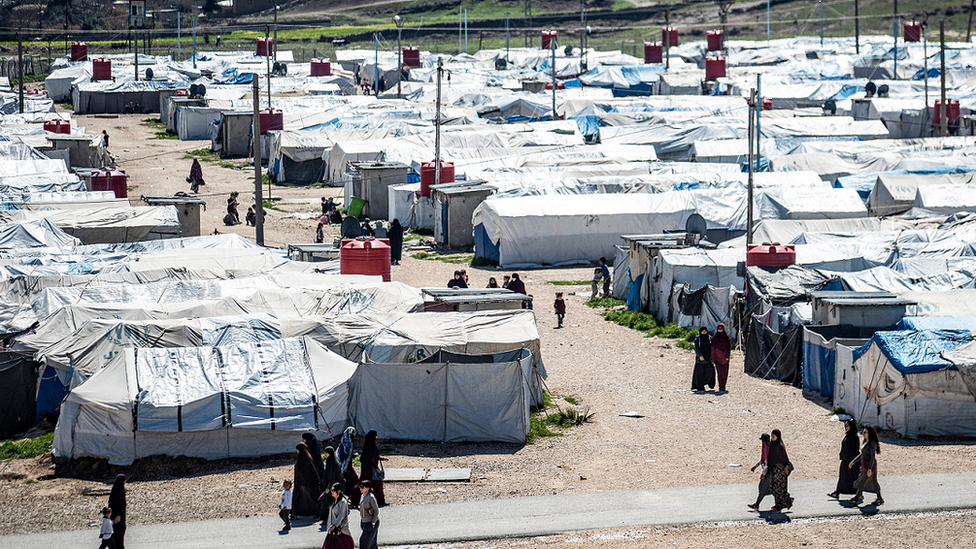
241,400
106,224
946,199
34,234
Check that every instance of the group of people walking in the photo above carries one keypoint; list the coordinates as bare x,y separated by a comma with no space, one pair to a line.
329,487
712,355
775,468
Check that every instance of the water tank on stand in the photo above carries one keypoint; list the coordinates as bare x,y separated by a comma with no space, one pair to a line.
653,52
271,120
771,255
111,180
912,31
714,40
669,36
547,38
714,68
58,126
79,51
265,47
952,112
427,176
365,256
321,67
101,69
411,56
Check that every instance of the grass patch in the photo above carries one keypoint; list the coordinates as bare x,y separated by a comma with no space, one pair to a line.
569,282
160,128
644,322
547,421
605,302
212,157
412,235
483,262
269,205
571,400
454,259
24,449
621,5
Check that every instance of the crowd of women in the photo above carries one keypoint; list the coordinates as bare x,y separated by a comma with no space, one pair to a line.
858,468
712,355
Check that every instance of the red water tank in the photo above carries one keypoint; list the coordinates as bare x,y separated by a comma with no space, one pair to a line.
653,52
265,47
548,37
767,104
182,93
271,120
559,85
952,112
714,68
669,36
79,51
411,56
58,126
101,69
321,67
110,180
770,255
427,175
714,40
365,256
913,31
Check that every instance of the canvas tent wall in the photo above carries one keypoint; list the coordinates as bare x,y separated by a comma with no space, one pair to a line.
104,225
447,398
240,400
820,344
915,390
894,194
18,386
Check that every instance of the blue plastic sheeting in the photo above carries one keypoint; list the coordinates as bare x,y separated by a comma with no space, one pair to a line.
937,323
920,74
587,124
633,294
519,119
864,183
483,246
231,76
50,393
349,123
8,206
819,365
573,83
763,165
917,352
413,178
847,91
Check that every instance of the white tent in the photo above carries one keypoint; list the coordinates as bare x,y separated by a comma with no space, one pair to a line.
894,194
240,400
947,199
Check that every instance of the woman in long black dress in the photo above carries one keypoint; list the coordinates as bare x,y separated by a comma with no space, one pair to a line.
848,451
332,475
116,502
396,241
305,490
867,460
370,460
780,468
704,373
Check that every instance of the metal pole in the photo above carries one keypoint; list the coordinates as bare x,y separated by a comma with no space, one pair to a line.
194,40
667,40
857,28
465,30
925,59
135,51
460,25
759,108
20,70
552,46
506,36
821,23
267,58
943,123
376,68
66,5
179,54
276,32
895,36
256,153
752,97
969,25
437,125
767,24
399,62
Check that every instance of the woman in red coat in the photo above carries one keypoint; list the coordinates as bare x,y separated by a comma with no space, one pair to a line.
721,350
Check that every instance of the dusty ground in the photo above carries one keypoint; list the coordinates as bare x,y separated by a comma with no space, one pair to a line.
606,368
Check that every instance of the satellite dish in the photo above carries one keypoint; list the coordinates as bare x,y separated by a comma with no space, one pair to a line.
568,51
194,90
696,224
350,228
149,74
201,89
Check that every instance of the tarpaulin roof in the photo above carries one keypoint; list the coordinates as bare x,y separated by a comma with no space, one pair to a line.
917,352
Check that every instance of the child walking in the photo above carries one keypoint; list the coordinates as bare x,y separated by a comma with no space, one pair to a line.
285,505
560,307
107,530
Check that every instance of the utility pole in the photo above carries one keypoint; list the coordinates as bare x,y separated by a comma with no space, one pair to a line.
20,70
943,123
437,125
376,64
752,98
194,36
857,28
506,37
256,153
135,50
179,18
399,26
758,107
67,4
767,23
969,25
821,23
267,57
276,32
460,26
552,46
667,40
925,57
465,30
895,37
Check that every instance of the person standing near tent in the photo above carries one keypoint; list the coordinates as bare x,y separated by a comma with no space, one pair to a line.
344,454
306,492
338,536
116,501
559,306
595,283
320,233
704,373
506,280
457,281
492,283
867,480
516,284
764,471
780,468
372,468
106,532
196,176
105,139
284,507
331,477
369,512
605,273
395,235
849,449
721,351
315,451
